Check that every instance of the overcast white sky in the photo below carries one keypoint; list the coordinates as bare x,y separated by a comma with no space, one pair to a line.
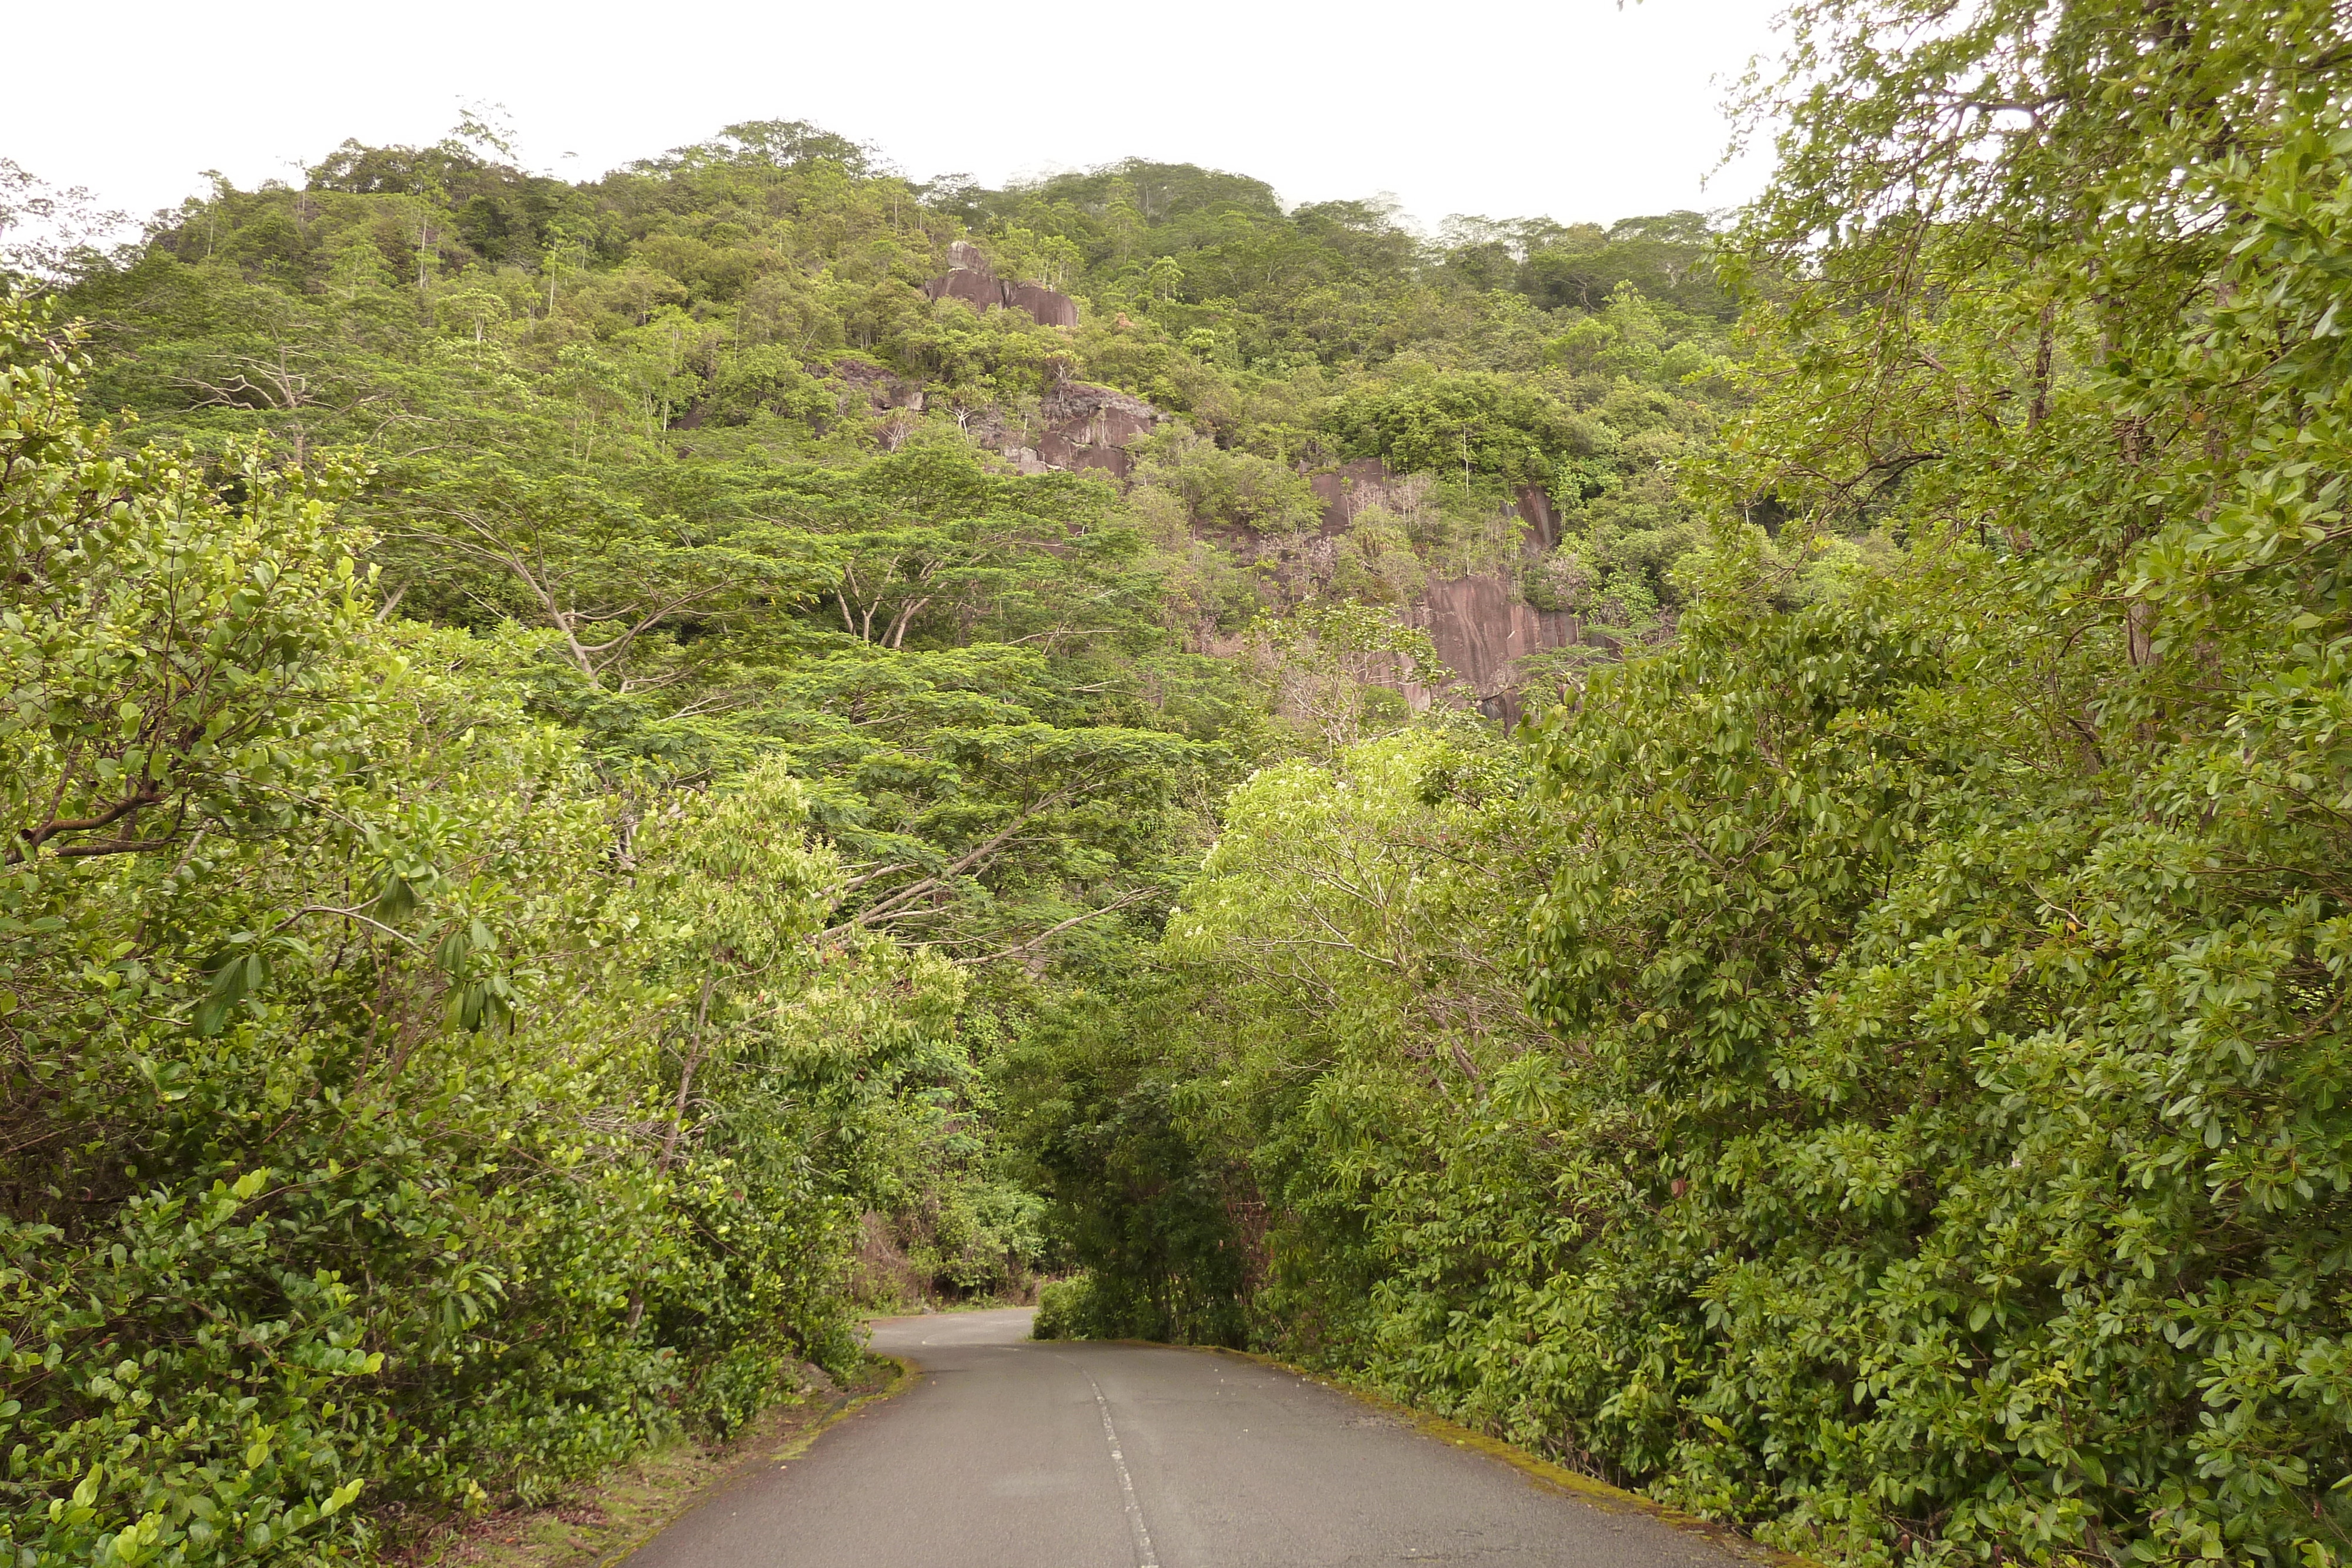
1577,108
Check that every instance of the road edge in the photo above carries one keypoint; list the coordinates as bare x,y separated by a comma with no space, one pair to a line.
1574,1483
800,1443
779,1457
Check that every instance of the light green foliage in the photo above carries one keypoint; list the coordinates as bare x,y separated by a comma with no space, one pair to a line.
1934,1144
1464,423
1331,1007
1356,851
170,663
398,1115
1061,1310
1232,489
1334,671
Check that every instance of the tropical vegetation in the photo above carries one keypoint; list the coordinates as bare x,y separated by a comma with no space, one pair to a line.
583,808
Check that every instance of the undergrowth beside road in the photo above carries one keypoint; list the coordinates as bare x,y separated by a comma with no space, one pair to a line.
603,1523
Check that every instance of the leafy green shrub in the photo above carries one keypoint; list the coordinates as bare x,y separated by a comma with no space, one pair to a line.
1233,489
767,379
1470,424
394,1114
1065,1309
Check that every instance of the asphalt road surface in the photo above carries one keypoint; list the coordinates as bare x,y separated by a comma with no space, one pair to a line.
1006,1453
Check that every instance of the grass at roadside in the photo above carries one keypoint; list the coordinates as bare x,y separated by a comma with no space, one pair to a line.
598,1525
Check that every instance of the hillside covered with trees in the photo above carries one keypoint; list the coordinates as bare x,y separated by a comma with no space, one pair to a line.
603,776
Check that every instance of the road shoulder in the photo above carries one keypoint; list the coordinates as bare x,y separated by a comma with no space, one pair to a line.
1574,1483
600,1524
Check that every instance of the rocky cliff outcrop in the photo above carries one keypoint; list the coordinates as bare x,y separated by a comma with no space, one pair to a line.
879,387
1480,626
1075,425
1078,426
1482,633
1087,426
1348,489
969,279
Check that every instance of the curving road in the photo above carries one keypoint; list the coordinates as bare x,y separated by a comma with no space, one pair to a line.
1006,1453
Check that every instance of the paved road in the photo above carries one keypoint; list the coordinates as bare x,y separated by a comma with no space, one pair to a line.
1011,1454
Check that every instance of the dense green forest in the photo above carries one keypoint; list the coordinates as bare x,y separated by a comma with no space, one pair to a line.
603,777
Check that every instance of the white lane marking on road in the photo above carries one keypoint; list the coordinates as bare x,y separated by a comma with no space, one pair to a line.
1144,1557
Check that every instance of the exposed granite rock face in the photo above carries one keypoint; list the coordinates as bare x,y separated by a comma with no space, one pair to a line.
881,389
1085,427
1481,634
1112,460
978,289
1543,521
1049,307
969,279
1087,415
1480,627
1347,489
